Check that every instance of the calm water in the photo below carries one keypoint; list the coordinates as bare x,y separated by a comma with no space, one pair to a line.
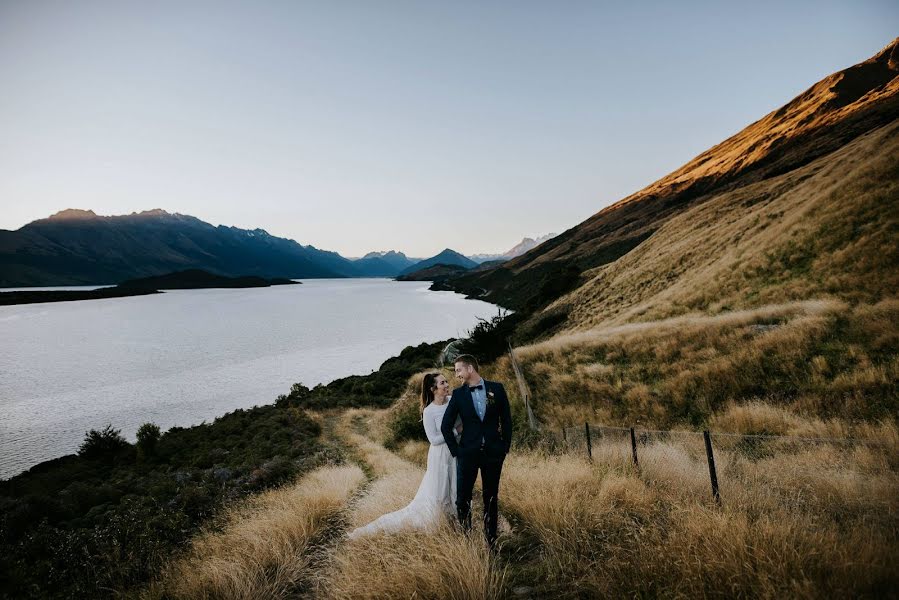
187,356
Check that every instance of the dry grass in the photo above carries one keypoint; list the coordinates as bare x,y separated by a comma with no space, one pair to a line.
803,520
441,564
264,547
820,359
814,523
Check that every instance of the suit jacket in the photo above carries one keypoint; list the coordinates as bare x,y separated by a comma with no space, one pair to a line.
495,429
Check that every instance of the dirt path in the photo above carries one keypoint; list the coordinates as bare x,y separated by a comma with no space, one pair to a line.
393,481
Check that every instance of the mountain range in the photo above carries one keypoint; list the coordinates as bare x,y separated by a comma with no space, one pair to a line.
517,250
79,247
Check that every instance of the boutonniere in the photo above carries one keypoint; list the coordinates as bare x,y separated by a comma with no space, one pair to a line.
491,399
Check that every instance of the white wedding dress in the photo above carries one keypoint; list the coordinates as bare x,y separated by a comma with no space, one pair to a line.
436,496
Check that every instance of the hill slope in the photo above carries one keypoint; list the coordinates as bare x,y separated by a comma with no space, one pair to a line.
825,118
447,257
826,229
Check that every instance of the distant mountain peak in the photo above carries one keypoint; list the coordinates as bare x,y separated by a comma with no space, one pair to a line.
518,249
385,254
153,212
447,257
72,213
78,213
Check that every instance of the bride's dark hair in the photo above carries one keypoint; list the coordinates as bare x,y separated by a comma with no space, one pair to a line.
427,389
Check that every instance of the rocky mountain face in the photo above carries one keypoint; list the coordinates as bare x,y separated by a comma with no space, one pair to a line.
517,250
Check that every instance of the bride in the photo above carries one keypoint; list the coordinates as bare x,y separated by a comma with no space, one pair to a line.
436,495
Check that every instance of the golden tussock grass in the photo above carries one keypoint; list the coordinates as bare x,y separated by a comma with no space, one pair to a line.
435,564
263,549
824,361
818,522
798,519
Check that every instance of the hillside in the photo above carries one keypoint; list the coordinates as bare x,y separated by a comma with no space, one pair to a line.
447,257
826,229
438,272
76,247
834,112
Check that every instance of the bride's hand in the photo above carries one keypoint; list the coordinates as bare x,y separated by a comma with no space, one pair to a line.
459,427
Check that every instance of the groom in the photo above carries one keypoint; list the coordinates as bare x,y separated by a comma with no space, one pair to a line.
486,437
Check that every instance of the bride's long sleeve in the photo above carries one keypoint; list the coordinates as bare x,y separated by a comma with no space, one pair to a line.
432,429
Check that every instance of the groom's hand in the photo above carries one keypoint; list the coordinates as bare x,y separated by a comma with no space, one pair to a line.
447,425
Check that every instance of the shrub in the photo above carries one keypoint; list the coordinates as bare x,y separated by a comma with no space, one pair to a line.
102,444
489,339
148,436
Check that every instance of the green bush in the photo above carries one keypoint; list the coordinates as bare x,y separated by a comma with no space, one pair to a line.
148,436
489,339
380,388
102,444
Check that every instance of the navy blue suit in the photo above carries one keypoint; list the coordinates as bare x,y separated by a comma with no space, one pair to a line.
483,447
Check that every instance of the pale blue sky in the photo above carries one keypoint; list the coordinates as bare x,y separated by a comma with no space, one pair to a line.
358,126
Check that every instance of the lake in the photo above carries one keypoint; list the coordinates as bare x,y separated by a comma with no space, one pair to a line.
186,356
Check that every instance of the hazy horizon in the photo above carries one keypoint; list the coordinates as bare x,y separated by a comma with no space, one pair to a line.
409,127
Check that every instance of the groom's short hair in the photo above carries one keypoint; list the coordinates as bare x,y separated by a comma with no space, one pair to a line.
469,360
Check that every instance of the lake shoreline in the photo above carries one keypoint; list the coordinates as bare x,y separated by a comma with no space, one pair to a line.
180,398
191,279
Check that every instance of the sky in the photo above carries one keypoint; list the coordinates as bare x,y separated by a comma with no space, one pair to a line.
415,126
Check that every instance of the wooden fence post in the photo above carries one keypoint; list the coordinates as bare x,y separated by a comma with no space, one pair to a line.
589,443
713,475
522,388
634,447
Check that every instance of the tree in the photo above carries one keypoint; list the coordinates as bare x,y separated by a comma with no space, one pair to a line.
102,444
148,435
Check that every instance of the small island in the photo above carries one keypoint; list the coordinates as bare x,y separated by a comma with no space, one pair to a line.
190,279
195,279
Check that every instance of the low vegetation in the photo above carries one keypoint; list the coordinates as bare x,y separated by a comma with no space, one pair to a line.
105,520
379,388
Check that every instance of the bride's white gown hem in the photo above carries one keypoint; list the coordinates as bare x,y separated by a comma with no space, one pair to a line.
435,499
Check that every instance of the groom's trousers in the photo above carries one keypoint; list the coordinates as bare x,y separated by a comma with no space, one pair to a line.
467,466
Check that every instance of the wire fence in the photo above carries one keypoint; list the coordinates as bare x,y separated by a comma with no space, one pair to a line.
726,466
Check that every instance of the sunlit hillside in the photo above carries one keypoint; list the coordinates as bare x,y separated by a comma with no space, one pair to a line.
791,164
828,229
